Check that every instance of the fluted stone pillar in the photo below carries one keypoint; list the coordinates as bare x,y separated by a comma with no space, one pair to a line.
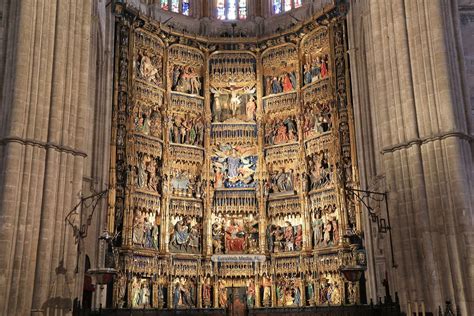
415,131
45,94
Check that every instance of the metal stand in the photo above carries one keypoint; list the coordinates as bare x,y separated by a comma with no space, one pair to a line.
383,225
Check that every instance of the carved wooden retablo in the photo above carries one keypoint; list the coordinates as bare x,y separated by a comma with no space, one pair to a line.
229,165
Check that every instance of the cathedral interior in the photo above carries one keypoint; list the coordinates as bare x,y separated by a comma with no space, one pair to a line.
237,157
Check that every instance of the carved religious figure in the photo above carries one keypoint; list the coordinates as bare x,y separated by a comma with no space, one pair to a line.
250,293
251,107
148,70
289,237
184,292
142,177
309,291
186,79
217,110
121,285
307,77
283,82
282,181
319,168
288,292
281,131
222,293
233,162
233,103
297,293
234,237
317,229
218,177
286,238
206,292
140,289
147,172
187,130
217,237
267,287
251,234
156,124
315,67
234,166
317,119
326,227
334,294
138,228
180,182
186,235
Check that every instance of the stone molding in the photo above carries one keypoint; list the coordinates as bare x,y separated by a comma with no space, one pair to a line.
424,140
466,13
46,145
467,18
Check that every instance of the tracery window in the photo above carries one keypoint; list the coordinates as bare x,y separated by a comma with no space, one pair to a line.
177,6
280,6
231,9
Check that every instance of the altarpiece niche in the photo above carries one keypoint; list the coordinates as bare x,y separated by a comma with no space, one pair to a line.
229,163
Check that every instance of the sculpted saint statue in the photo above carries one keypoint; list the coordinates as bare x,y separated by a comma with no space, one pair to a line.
234,237
222,294
233,162
251,107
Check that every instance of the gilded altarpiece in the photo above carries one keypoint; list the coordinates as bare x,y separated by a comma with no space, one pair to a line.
229,164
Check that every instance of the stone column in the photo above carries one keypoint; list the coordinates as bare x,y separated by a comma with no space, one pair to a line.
42,153
410,98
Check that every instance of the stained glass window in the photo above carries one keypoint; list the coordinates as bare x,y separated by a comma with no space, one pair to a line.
231,9
185,8
220,9
280,6
175,6
178,6
276,6
242,9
